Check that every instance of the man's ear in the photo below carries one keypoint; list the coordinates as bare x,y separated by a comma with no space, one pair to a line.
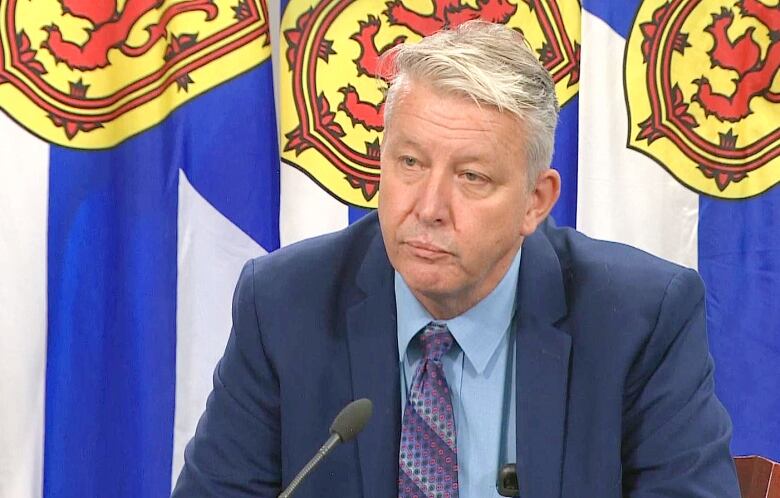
541,200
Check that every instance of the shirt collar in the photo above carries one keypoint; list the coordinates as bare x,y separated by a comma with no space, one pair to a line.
478,331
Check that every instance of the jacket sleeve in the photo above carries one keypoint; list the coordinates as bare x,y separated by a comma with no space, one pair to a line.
236,448
676,433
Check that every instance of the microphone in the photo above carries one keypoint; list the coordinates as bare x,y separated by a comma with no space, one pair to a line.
347,424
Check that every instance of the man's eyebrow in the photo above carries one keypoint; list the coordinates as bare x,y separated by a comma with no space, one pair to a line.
469,157
409,142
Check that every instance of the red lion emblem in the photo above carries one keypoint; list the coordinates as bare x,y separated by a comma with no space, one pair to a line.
705,103
111,29
743,55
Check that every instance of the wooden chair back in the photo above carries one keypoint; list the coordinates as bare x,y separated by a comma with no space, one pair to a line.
758,477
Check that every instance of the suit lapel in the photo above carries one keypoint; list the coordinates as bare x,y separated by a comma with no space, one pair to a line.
542,357
373,355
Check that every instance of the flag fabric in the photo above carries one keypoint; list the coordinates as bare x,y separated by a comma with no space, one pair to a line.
138,172
668,141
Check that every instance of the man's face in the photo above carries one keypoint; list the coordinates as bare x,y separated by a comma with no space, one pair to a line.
454,203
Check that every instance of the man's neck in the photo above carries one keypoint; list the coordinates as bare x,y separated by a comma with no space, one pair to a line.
446,308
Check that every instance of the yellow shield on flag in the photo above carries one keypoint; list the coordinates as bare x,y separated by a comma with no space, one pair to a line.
703,93
89,74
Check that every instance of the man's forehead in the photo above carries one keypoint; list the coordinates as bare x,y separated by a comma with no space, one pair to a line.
412,89
426,99
421,93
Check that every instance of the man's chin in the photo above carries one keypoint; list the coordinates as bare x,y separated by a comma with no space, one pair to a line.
432,286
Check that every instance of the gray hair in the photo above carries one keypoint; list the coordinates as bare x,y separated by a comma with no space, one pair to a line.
491,64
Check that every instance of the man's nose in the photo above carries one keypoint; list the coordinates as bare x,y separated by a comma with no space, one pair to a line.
434,198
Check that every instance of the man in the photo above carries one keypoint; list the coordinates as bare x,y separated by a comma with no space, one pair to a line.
483,334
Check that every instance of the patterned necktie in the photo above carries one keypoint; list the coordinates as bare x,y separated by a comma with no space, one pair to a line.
428,458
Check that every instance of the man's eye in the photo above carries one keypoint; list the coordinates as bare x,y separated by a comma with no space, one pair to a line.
409,161
472,177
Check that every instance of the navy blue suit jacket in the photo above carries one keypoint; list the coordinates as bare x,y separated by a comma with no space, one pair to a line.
614,379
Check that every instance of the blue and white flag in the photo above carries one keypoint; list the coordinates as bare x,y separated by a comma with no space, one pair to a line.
138,172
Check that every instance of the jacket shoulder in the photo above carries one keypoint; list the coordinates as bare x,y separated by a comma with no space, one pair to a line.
617,271
313,267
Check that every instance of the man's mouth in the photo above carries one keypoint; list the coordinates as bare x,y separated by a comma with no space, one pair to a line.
426,250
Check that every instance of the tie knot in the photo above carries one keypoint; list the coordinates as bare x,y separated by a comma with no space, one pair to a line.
436,340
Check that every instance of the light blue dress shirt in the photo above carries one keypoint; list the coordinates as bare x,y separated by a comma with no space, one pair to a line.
480,372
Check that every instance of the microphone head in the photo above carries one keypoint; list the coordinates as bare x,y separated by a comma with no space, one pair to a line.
352,419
